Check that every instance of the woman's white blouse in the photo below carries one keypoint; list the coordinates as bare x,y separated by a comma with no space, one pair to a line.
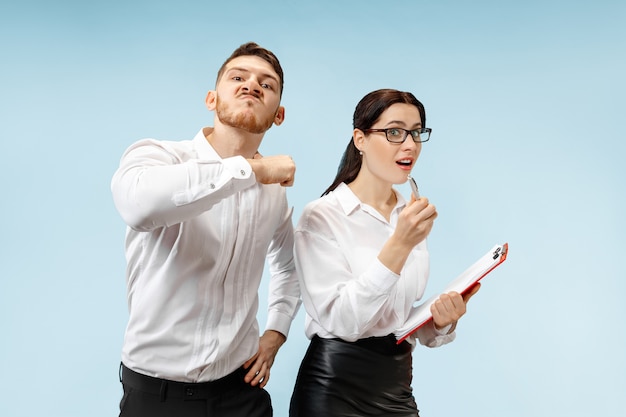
347,292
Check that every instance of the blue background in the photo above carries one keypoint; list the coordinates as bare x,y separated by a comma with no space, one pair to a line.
525,101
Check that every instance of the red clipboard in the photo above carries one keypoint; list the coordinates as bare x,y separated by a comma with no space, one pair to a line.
420,314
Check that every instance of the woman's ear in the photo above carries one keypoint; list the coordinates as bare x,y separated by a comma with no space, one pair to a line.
358,137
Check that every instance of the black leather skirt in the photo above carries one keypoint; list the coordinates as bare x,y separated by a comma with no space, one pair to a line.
369,377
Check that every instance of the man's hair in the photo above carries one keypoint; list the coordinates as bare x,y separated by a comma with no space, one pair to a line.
253,49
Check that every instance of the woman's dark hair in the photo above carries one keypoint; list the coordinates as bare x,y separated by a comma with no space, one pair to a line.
367,112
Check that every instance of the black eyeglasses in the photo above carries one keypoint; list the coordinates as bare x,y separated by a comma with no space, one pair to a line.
399,135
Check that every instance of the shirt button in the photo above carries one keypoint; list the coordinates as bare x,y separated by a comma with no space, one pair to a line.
242,172
212,185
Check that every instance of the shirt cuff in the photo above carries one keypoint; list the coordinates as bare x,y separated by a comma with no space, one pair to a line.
238,167
441,340
279,322
444,331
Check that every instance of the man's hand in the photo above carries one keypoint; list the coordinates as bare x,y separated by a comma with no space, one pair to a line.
278,169
259,365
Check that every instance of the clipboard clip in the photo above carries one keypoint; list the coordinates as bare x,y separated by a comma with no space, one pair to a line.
500,251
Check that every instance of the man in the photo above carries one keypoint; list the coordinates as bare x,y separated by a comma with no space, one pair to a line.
202,216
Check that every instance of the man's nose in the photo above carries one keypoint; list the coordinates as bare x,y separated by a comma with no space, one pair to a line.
252,84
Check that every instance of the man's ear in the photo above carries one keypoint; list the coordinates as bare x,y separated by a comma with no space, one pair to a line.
211,100
280,116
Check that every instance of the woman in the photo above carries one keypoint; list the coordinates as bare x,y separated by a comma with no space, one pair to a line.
362,259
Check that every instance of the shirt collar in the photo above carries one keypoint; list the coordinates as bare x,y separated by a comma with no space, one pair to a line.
202,145
350,202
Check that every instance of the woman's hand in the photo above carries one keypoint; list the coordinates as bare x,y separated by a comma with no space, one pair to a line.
415,222
450,307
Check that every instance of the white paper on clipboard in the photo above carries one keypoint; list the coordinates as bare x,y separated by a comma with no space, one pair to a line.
420,314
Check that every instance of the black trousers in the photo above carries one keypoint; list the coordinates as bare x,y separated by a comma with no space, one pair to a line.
229,396
369,377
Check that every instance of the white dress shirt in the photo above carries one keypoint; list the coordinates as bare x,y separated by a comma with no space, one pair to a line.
199,230
347,292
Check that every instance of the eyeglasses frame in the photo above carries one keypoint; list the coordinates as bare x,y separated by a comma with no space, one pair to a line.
407,132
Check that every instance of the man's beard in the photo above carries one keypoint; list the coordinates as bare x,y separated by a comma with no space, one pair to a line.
246,121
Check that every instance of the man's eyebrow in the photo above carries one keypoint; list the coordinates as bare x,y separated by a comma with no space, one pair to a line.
263,75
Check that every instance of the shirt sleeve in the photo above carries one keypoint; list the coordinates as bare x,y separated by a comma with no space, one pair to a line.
429,336
284,289
345,305
159,185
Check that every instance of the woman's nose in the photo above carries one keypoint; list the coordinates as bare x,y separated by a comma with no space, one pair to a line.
409,143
